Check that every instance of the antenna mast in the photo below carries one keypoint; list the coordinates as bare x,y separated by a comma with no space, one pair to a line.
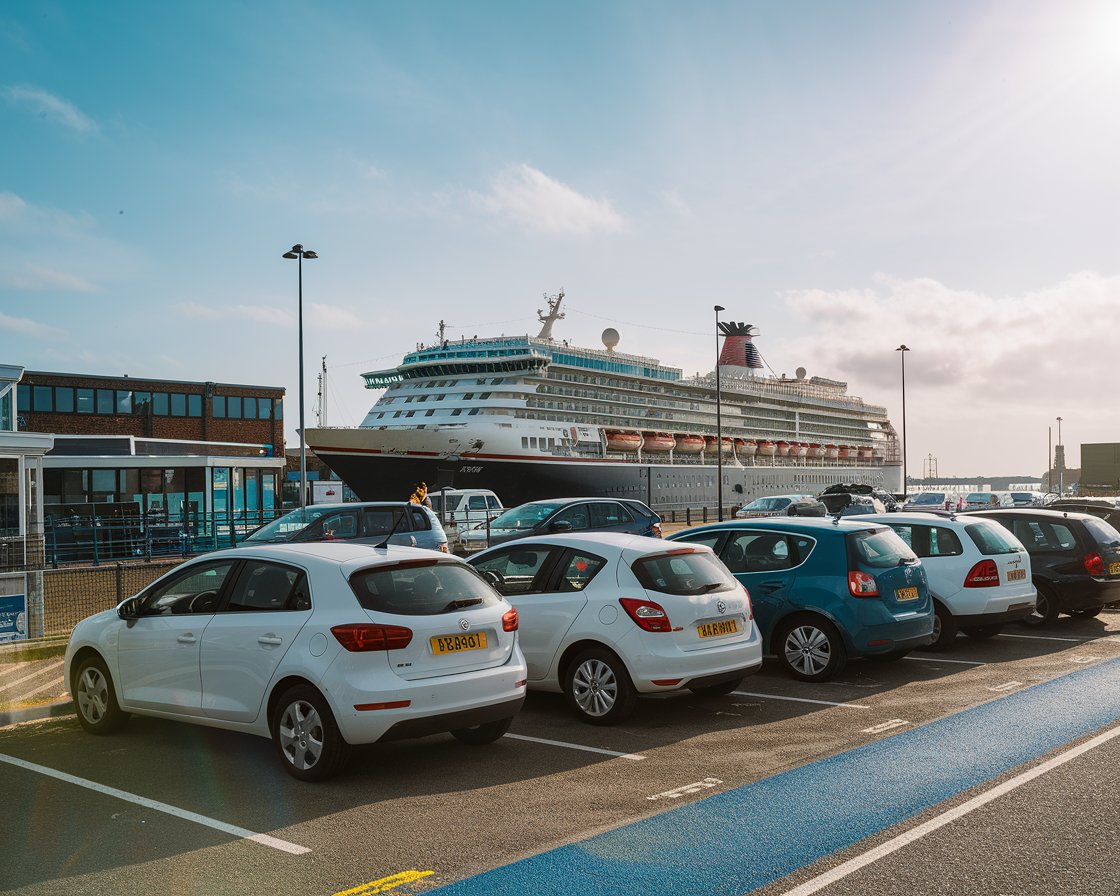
554,314
321,413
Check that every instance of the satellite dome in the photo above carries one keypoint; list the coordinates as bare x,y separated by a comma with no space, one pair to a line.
800,373
610,338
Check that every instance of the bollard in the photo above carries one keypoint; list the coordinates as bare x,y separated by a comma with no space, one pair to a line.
705,513
688,516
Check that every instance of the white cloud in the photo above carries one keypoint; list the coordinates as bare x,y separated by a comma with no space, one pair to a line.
24,326
12,207
35,278
257,313
532,198
47,105
327,316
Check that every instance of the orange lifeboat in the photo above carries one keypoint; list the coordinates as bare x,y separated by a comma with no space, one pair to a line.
843,452
658,441
799,449
831,452
816,449
617,440
747,448
710,444
766,448
864,452
783,448
689,444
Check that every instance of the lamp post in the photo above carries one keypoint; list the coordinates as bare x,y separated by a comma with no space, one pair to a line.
299,253
1062,466
719,427
903,349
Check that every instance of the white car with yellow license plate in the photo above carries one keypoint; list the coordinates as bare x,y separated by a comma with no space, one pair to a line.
319,646
979,573
606,617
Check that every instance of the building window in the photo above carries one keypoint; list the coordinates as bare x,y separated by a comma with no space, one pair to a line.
85,401
279,410
249,408
194,405
141,402
219,406
264,408
44,398
233,407
178,404
160,404
105,401
124,402
64,400
23,398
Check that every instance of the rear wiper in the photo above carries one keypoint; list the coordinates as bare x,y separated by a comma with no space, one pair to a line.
464,602
708,589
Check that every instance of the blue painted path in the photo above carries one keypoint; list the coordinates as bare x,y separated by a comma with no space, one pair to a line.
739,840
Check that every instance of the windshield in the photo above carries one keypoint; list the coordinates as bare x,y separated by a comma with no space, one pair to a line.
768,504
284,527
524,517
424,588
1103,532
689,573
881,548
981,498
992,538
928,498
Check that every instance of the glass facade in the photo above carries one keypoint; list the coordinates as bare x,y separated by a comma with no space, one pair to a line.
123,402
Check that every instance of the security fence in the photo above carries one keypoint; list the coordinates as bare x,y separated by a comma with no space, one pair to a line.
72,594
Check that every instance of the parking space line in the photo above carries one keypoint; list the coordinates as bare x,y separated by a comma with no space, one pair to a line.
233,830
941,659
1010,685
55,683
886,726
821,881
799,700
1047,638
677,792
559,743
35,674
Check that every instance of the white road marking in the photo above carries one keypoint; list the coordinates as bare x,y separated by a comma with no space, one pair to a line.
35,674
799,700
1006,687
941,659
233,830
678,792
886,726
56,683
852,865
1046,638
560,743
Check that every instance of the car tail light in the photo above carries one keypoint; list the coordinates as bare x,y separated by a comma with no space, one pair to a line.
750,606
862,584
509,621
649,616
983,575
1093,563
360,637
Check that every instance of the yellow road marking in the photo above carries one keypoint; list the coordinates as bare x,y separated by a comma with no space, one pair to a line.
386,883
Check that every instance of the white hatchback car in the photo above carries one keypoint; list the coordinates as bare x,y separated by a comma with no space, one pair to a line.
609,616
318,646
979,574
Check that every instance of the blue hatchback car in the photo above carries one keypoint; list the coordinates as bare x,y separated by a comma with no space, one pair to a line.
824,590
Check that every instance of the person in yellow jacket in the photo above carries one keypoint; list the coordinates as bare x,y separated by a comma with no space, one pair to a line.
420,495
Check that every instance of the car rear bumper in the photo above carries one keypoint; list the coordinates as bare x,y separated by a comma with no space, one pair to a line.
902,634
453,721
1015,611
1087,593
654,658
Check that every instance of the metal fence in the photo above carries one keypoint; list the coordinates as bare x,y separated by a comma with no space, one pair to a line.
72,594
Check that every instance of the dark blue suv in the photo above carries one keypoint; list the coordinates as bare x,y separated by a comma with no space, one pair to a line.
824,590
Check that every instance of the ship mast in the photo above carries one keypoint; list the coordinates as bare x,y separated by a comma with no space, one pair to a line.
554,314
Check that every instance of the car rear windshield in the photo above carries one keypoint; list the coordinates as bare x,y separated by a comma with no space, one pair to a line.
421,588
1102,532
930,498
880,548
694,572
992,538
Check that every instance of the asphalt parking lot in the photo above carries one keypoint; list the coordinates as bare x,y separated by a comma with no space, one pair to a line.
763,790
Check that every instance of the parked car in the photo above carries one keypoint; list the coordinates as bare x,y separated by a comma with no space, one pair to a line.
935,500
987,500
979,574
606,617
774,505
1105,508
846,499
1027,499
465,507
825,590
318,646
368,522
1075,559
561,515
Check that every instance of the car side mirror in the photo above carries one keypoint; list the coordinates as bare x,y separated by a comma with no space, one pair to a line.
129,609
560,526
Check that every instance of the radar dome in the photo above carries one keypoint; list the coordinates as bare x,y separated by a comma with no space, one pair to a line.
800,373
610,338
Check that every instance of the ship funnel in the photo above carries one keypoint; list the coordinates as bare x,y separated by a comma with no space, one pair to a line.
738,347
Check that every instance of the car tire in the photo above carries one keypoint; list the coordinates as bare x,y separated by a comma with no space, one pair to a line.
94,698
717,690
1045,608
307,739
486,733
944,629
1089,613
598,687
810,649
982,632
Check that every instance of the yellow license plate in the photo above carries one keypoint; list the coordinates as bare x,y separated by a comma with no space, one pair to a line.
442,644
906,594
1114,569
1017,575
715,629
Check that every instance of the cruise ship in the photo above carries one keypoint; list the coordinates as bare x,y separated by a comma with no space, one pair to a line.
534,417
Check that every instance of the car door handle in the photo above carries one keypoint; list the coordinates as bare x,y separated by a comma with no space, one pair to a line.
269,639
186,638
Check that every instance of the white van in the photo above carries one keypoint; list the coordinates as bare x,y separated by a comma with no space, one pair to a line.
465,507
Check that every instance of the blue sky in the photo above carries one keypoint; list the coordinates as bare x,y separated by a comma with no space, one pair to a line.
847,176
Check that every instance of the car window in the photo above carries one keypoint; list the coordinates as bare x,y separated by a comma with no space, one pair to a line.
421,588
576,515
380,520
1102,532
711,538
880,548
196,591
757,552
929,541
1039,535
267,586
421,522
514,571
476,502
992,538
689,573
608,513
341,524
580,569
493,503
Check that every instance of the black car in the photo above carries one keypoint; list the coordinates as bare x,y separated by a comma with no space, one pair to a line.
573,515
1098,507
1075,560
848,499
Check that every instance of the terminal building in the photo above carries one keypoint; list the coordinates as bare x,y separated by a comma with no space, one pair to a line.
1100,468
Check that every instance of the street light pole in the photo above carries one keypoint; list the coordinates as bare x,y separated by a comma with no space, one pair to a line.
904,350
1062,468
299,253
719,427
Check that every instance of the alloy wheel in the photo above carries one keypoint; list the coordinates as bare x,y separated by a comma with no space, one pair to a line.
300,734
93,694
808,649
595,688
